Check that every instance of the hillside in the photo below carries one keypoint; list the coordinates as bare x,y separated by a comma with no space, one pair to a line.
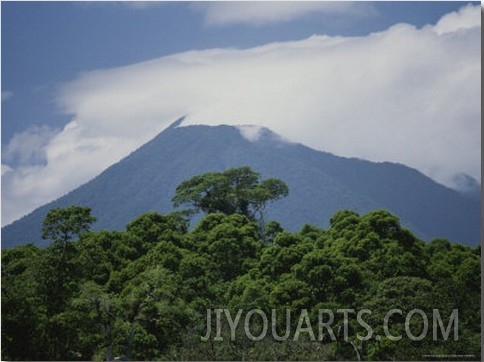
319,185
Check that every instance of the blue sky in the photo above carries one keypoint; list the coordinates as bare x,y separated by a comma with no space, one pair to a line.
57,55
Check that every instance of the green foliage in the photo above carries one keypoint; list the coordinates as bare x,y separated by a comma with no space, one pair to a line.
237,190
62,224
143,293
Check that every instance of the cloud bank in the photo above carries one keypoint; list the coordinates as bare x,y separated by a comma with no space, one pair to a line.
405,95
257,13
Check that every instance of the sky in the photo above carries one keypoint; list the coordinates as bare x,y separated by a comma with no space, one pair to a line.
86,83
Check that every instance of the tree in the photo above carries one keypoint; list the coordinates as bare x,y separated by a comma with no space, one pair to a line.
94,312
57,272
153,227
237,190
231,242
23,309
62,224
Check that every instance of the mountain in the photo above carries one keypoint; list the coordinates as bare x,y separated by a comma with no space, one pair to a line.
319,184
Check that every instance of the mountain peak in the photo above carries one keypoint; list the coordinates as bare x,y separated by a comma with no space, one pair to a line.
177,123
319,184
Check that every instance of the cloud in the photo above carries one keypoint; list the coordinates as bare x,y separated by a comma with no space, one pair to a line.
67,160
5,169
141,5
223,13
405,95
466,18
28,147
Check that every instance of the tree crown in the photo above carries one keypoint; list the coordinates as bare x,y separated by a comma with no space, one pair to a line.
236,190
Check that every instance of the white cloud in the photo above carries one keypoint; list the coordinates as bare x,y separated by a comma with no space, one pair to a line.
222,13
5,169
466,18
142,5
71,158
251,132
404,95
28,147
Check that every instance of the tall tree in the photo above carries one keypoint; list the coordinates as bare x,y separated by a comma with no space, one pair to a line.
57,272
62,224
236,190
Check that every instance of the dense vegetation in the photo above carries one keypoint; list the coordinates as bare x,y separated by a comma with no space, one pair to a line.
143,293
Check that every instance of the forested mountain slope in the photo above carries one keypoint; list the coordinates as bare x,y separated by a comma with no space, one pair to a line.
319,183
